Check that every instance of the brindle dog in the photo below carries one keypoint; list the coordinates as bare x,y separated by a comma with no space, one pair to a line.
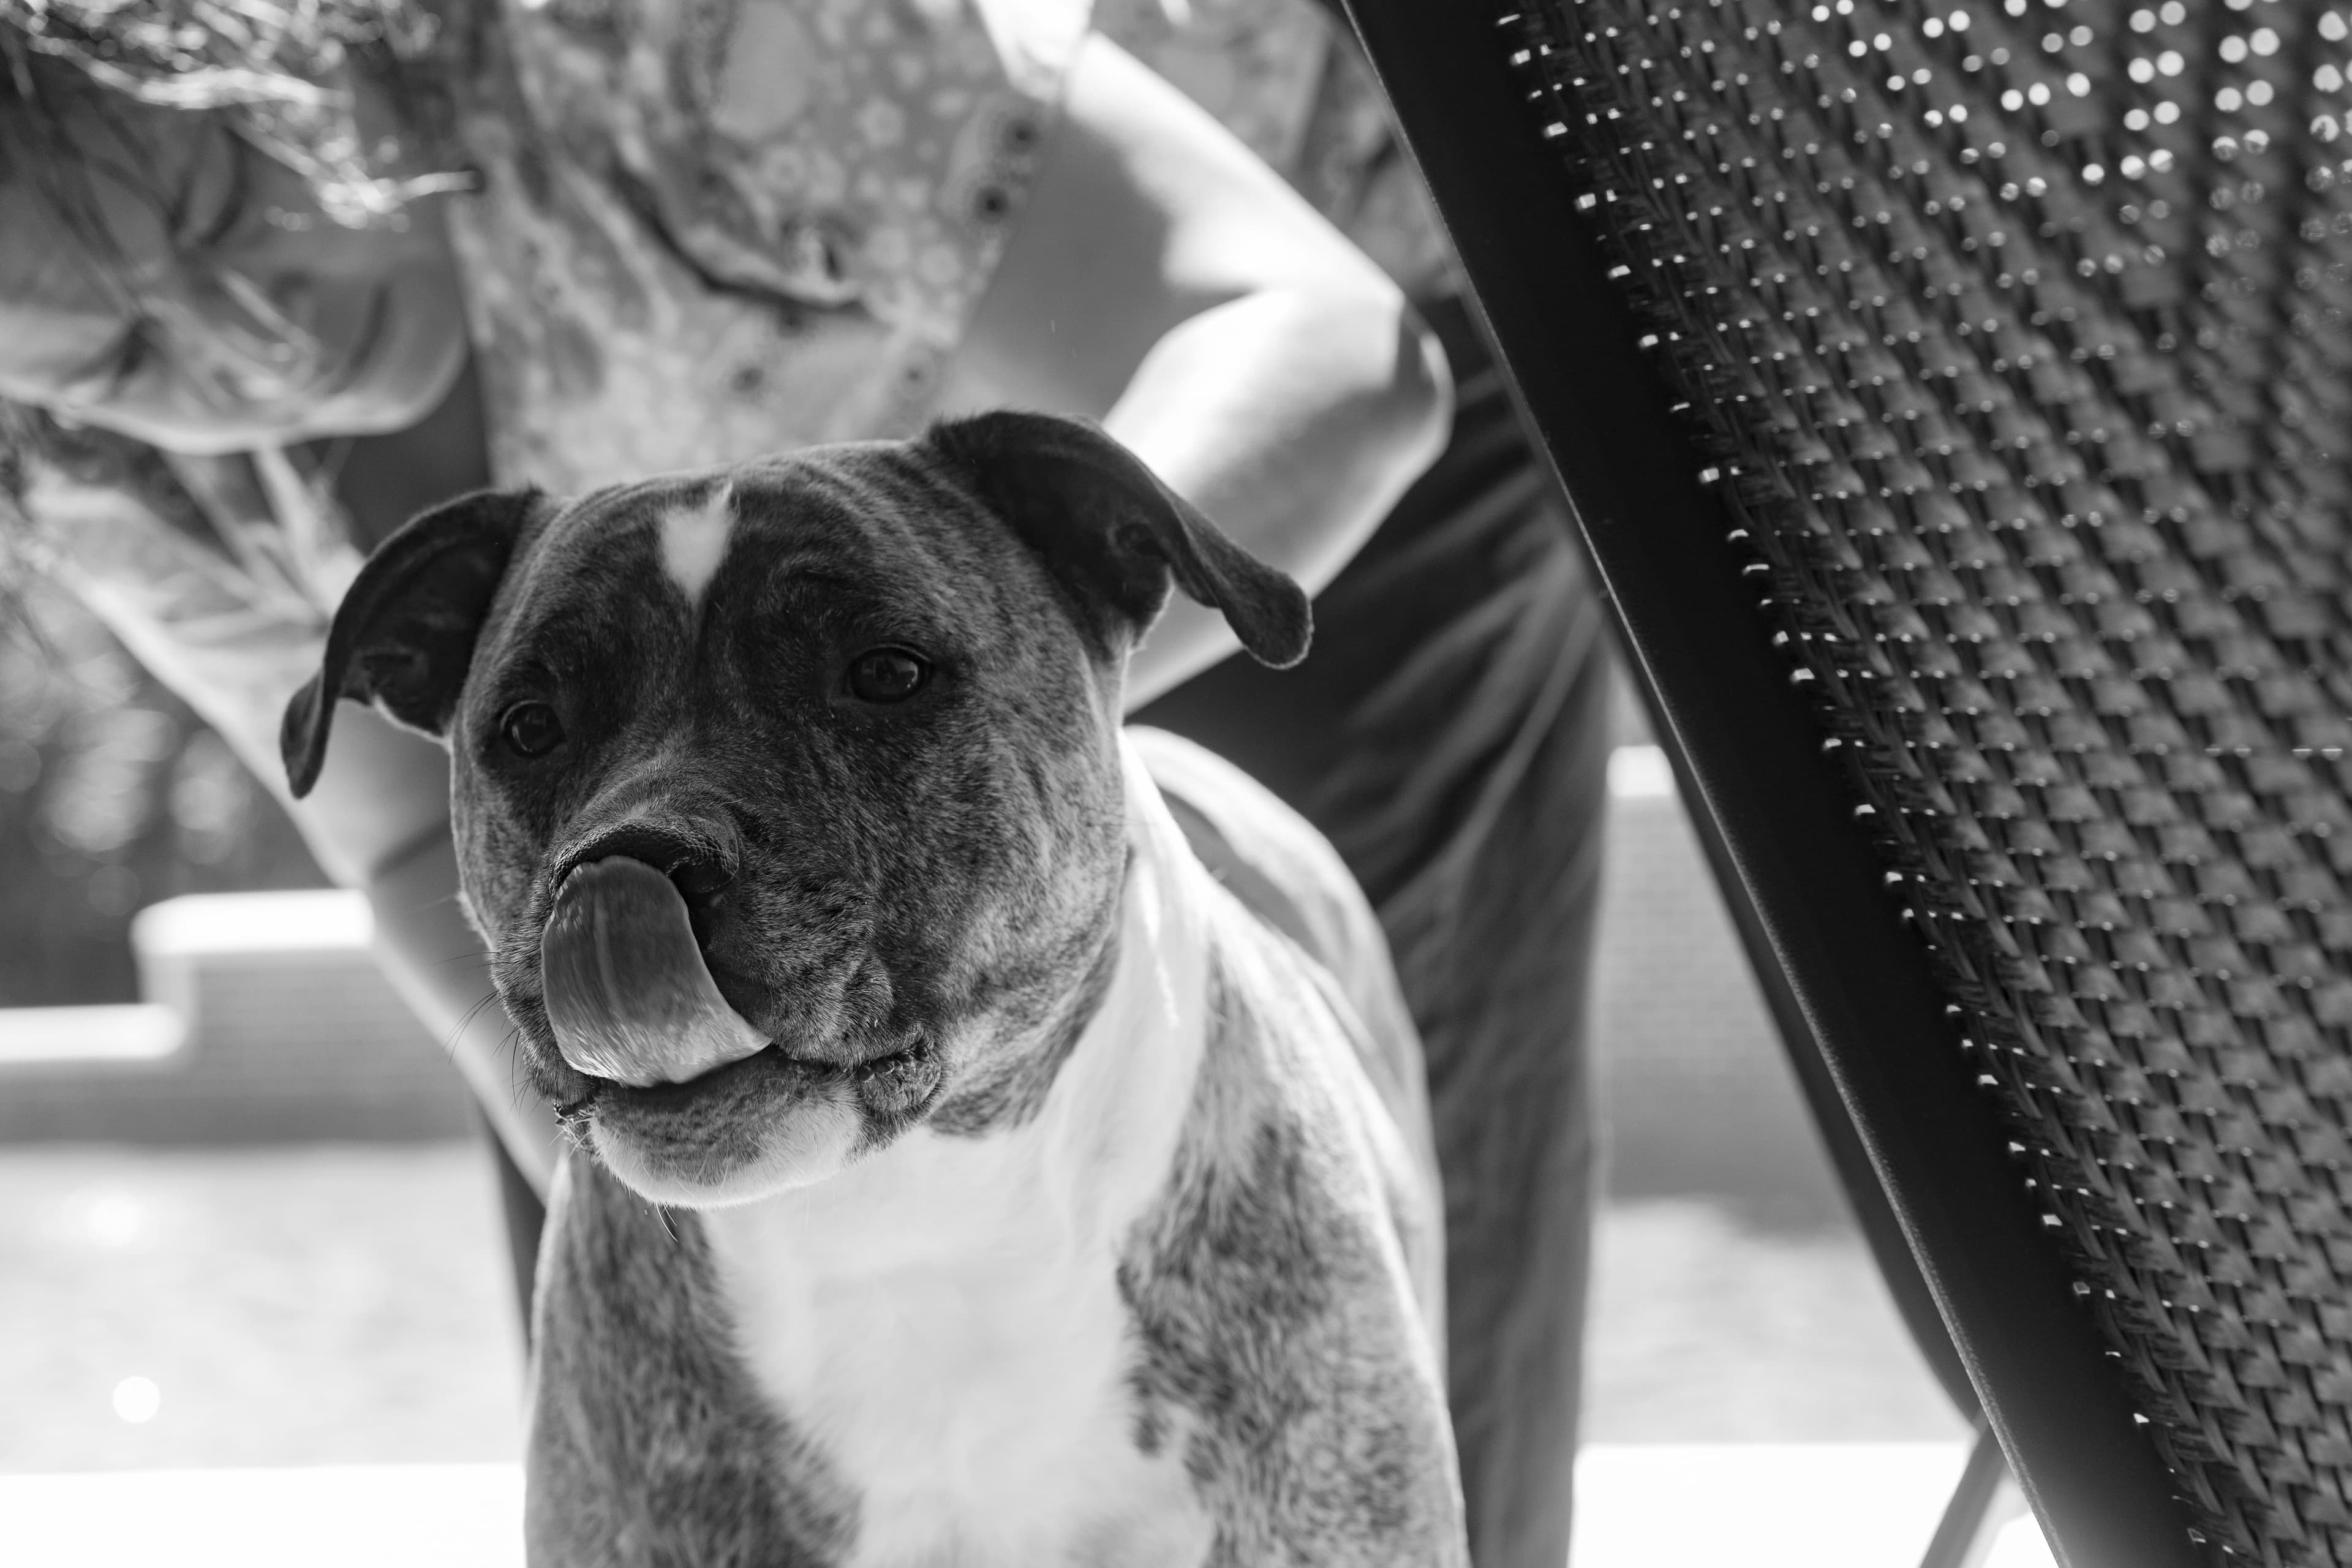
964,1172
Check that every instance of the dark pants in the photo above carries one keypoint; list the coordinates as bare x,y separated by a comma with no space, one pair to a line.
1448,733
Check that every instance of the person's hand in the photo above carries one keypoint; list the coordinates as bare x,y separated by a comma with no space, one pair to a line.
162,277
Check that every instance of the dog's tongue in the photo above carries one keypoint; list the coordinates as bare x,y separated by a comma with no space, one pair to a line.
627,992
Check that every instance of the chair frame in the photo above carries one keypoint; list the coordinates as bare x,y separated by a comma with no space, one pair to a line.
1868,1029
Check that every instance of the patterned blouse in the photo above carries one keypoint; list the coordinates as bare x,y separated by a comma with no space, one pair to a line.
801,201
711,229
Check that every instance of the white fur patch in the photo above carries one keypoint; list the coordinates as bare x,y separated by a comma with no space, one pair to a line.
694,541
942,1320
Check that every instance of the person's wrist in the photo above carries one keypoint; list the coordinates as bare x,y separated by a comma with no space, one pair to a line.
382,796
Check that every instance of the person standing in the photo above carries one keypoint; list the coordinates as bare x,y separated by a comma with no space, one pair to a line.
695,232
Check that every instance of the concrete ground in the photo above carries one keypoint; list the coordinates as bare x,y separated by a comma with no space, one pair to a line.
218,1357
222,1357
322,1307
347,1306
326,1305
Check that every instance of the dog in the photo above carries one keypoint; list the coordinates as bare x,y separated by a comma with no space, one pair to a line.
997,1136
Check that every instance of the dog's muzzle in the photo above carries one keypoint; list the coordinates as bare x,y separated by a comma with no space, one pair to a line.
627,992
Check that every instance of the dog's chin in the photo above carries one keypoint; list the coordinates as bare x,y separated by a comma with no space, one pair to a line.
806,1147
753,1128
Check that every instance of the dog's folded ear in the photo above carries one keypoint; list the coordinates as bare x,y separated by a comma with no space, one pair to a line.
1115,536
404,633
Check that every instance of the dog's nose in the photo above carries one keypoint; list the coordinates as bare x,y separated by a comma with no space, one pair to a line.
701,853
700,863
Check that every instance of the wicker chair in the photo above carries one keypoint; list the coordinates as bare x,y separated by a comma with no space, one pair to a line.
1956,401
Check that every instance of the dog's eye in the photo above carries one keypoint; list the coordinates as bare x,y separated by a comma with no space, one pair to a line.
887,675
531,729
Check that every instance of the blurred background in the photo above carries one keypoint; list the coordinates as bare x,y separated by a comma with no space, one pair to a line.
249,1232
112,795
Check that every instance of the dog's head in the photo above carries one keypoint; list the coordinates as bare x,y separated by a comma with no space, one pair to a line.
788,797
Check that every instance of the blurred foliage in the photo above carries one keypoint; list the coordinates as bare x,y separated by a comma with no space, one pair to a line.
113,796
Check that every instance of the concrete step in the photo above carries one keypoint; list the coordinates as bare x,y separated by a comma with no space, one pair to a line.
286,1033
1761,1505
264,1020
136,1034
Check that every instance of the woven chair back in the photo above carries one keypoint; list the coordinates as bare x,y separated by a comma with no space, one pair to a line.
2018,334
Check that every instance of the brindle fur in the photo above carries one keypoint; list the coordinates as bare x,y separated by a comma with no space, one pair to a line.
1265,1287
922,901
1007,1093
648,1448
929,876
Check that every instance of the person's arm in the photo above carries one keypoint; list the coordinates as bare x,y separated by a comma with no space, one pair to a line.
1165,281
382,802
379,820
380,812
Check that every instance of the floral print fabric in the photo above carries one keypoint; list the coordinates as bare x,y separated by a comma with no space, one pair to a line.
708,230
713,229
716,228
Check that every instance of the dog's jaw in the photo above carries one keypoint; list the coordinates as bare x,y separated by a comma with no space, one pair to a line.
809,1140
791,1123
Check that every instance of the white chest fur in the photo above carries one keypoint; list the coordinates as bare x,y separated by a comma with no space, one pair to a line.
942,1320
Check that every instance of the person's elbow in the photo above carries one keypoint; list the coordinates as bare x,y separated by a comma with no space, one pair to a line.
1388,405
1413,413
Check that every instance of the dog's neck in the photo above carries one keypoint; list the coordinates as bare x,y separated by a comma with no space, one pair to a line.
948,1307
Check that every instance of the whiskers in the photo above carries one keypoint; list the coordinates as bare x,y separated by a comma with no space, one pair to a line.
574,1121
466,1022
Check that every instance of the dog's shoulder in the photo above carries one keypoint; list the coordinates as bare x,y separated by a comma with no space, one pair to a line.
1287,875
1292,883
1280,1344
646,1444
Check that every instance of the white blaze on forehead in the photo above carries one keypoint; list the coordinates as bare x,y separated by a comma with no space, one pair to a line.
694,541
